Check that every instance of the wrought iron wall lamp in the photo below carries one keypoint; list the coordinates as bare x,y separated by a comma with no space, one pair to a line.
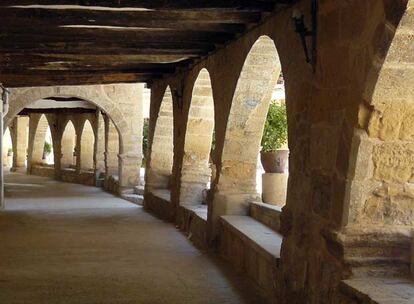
304,32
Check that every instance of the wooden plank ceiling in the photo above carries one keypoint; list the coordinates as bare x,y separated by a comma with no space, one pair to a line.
89,42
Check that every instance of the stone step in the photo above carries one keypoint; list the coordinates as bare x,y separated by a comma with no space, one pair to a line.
139,190
133,198
376,252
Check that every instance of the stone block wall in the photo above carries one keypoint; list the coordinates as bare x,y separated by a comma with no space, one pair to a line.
349,142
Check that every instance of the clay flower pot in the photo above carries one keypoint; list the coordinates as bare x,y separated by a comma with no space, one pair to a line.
275,161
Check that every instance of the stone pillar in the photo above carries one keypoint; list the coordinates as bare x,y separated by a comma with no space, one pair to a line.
20,134
38,125
129,165
99,154
111,148
130,99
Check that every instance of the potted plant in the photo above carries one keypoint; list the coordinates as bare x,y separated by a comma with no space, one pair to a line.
47,149
275,159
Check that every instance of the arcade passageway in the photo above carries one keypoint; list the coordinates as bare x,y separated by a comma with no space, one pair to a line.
66,243
207,151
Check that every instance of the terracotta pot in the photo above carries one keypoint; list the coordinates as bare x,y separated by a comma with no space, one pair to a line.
275,161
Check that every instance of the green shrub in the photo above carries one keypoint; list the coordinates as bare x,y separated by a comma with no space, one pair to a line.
275,131
47,148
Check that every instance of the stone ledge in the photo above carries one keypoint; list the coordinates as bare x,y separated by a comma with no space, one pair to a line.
192,220
158,201
199,210
372,290
258,236
266,214
163,194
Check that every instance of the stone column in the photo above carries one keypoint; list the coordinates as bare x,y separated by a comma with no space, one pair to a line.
129,166
130,159
99,154
111,148
19,133
38,125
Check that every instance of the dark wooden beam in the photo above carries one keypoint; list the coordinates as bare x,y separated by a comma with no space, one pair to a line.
13,80
27,111
99,47
226,22
249,5
7,59
97,50
146,18
113,35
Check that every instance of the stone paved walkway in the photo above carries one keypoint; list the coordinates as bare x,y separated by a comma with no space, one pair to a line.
67,243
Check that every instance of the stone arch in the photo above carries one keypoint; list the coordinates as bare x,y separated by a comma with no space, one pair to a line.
161,161
97,95
250,105
87,146
381,171
7,145
68,143
195,172
36,151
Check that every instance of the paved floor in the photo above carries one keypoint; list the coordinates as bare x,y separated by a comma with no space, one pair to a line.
67,243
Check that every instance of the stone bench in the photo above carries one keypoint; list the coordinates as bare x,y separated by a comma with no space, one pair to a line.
266,214
158,201
193,221
372,290
252,248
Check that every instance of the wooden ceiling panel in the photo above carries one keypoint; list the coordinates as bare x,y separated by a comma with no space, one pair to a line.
84,42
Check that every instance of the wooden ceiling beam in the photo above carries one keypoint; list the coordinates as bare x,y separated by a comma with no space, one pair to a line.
143,18
8,59
33,79
249,5
27,111
99,49
45,18
95,68
103,35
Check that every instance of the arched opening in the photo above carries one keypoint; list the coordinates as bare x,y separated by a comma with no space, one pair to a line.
68,144
244,133
162,153
87,147
146,98
7,150
48,153
196,169
41,148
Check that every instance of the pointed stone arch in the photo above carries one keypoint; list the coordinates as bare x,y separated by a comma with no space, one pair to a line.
196,172
250,105
87,146
68,144
162,147
39,124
